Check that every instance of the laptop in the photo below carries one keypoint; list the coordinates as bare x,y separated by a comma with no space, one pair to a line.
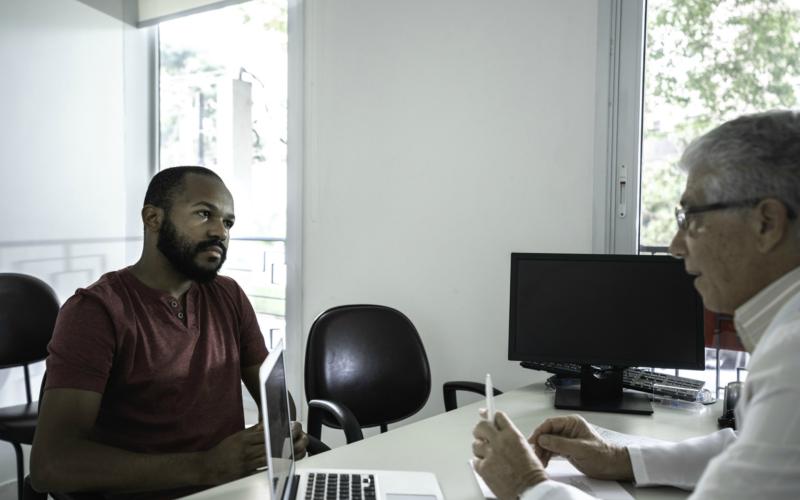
324,484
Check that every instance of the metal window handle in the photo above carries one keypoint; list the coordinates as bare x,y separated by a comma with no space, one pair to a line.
622,205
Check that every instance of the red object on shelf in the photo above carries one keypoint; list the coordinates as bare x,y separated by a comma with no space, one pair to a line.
727,330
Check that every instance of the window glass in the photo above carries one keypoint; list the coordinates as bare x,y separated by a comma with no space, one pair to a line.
707,61
223,105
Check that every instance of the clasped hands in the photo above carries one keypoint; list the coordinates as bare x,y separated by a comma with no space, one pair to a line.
509,463
244,453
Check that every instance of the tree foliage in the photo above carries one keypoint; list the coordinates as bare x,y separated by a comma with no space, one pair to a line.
708,61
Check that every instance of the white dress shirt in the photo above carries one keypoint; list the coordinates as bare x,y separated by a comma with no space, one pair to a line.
762,461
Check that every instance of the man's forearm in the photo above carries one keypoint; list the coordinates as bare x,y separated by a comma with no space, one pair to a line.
83,465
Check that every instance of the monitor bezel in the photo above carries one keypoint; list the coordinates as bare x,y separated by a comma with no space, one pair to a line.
274,357
516,257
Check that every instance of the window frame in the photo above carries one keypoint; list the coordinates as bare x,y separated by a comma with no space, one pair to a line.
618,126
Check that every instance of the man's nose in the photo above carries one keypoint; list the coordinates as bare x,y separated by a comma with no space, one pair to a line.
218,230
678,245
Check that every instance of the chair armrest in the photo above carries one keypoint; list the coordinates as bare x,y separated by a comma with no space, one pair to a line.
449,390
28,493
339,412
315,446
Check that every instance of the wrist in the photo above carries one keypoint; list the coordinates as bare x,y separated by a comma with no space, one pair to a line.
529,480
627,470
624,467
200,469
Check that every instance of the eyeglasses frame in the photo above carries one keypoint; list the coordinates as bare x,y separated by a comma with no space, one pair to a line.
682,213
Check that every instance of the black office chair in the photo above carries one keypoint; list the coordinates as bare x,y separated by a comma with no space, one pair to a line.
449,390
365,367
28,311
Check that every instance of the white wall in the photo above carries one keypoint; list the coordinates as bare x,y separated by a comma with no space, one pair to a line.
66,173
440,137
62,139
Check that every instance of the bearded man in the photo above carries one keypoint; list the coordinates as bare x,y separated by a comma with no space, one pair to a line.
143,390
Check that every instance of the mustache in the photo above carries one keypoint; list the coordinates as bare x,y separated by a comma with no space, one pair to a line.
211,243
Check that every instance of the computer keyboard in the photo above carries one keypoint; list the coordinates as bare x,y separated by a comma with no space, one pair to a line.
333,486
657,384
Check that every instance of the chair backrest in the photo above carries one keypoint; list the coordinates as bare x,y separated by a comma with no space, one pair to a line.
369,358
28,311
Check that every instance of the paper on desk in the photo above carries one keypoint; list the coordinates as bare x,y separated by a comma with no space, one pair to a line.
622,439
564,472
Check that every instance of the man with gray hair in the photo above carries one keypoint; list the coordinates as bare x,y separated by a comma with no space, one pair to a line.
738,234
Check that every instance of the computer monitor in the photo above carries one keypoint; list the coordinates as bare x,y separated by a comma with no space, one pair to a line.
606,313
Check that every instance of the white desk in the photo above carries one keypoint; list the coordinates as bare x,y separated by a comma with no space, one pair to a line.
443,444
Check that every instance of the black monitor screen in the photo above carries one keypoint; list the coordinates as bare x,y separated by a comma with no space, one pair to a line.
618,310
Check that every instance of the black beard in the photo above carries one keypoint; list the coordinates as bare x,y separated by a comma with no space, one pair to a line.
181,254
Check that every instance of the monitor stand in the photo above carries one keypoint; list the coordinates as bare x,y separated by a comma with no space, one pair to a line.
601,390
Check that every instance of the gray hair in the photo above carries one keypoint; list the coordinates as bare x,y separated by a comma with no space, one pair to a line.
754,156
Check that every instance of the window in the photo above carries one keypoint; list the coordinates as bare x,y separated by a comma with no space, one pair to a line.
706,62
223,104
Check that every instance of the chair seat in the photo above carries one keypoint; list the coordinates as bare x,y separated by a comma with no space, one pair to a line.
17,423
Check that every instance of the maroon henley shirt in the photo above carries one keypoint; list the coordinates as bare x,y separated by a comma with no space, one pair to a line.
170,384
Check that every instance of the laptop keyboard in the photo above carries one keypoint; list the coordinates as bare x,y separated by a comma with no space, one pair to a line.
322,486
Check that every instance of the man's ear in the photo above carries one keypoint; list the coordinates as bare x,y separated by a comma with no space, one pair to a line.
152,218
772,223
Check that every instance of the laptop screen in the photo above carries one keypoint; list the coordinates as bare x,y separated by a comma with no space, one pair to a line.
275,404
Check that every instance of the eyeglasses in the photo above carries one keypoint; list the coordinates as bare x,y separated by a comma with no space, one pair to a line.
682,213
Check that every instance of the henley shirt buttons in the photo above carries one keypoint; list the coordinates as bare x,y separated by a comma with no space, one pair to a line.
180,315
173,304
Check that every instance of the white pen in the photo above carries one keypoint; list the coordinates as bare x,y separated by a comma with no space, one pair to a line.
489,398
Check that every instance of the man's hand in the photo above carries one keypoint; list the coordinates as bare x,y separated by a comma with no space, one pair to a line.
576,440
235,456
504,459
299,439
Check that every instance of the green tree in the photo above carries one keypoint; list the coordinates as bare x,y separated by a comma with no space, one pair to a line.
708,61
